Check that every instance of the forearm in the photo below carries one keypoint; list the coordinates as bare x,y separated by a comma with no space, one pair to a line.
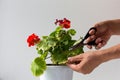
110,53
114,26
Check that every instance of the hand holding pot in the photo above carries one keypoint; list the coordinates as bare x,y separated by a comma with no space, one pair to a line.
85,63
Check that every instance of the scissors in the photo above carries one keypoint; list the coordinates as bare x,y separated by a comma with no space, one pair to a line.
81,43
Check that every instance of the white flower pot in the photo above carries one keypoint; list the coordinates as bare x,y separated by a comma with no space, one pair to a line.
57,72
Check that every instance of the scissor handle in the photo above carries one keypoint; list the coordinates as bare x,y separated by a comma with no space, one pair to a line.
87,35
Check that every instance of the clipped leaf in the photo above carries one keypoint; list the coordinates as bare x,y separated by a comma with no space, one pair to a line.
38,66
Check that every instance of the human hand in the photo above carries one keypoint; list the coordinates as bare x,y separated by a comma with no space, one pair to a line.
85,63
102,35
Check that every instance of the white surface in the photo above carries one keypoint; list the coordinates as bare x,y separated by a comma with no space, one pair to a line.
19,18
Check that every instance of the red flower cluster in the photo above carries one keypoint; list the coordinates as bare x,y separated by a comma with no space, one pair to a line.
65,23
32,40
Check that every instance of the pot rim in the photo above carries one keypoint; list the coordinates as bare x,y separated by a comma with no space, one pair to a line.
56,64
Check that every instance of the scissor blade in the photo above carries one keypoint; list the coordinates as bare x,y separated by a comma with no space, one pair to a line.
77,45
80,44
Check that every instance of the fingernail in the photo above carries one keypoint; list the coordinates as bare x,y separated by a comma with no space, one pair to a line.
69,58
104,43
96,48
85,41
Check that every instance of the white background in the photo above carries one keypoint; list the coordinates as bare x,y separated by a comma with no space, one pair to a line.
20,18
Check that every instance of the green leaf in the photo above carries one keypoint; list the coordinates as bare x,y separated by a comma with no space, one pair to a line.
44,37
44,55
53,34
75,52
51,42
58,28
59,58
71,32
40,51
40,44
38,66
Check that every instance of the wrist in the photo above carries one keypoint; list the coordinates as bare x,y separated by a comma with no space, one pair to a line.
100,55
114,26
110,53
104,55
109,24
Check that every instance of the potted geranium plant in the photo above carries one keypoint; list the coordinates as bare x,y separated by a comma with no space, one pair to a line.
56,47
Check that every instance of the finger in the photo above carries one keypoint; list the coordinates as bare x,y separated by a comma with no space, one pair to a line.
74,62
104,43
100,45
92,32
89,39
73,67
89,46
98,40
75,58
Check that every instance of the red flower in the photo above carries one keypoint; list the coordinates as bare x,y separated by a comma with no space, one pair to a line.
32,40
65,23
